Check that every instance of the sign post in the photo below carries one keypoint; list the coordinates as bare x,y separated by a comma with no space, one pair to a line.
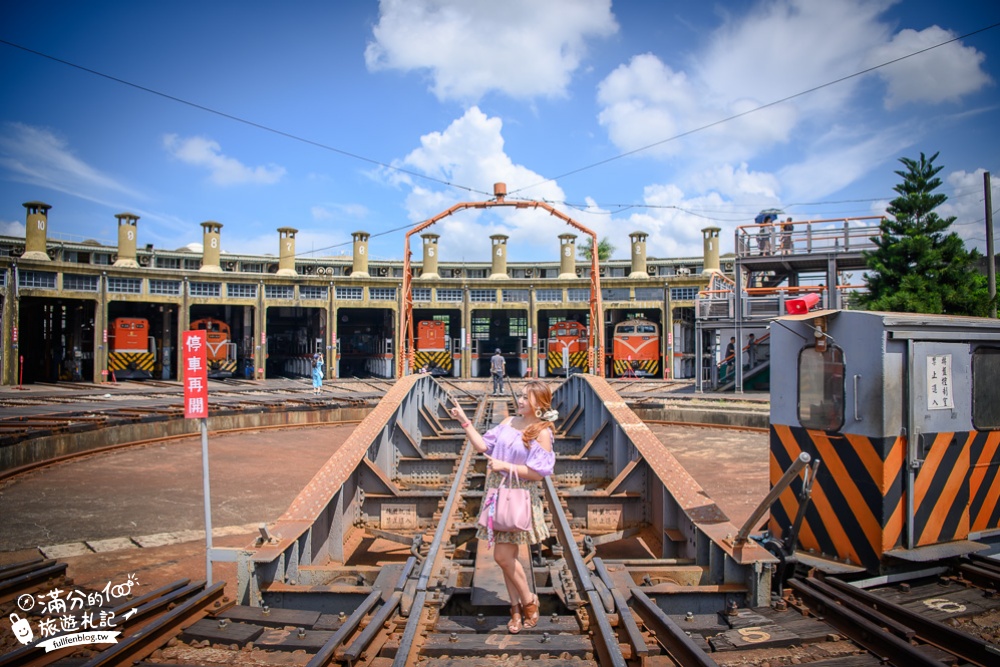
193,346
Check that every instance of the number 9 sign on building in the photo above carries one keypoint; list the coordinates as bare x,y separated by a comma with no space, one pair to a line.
195,365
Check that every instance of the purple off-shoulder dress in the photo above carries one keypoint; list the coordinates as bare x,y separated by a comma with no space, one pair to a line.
503,442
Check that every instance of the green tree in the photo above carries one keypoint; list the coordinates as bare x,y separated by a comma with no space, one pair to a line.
604,249
918,266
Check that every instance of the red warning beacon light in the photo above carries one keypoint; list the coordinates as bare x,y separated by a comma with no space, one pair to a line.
802,304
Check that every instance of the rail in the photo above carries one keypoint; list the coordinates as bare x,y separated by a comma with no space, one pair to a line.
376,561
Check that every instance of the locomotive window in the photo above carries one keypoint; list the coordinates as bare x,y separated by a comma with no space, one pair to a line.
138,325
985,390
626,329
646,328
821,388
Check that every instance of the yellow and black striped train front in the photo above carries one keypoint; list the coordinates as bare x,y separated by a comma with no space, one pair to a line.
131,365
643,367
578,360
432,359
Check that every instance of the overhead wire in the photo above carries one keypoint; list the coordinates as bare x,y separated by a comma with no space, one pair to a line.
245,121
588,208
754,110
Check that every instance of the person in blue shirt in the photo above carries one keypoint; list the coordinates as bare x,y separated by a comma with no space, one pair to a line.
317,373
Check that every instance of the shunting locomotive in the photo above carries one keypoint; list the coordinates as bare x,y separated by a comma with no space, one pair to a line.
132,349
220,349
568,348
433,347
900,415
636,349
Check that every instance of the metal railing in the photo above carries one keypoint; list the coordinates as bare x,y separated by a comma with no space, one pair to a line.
761,303
837,235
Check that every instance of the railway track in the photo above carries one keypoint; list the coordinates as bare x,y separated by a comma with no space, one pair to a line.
376,564
44,414
822,621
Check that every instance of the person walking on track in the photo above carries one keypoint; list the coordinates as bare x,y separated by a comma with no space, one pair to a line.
497,371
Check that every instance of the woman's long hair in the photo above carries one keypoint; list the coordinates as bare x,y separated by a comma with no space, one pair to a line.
540,399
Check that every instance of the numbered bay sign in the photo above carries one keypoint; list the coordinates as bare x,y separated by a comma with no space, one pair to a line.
194,360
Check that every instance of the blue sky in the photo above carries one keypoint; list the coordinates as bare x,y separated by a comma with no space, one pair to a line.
332,117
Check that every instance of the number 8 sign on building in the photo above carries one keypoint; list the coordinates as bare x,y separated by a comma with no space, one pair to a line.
195,367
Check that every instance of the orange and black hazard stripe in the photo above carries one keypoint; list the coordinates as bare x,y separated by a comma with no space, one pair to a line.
577,359
439,358
857,509
120,361
645,367
941,489
220,368
984,481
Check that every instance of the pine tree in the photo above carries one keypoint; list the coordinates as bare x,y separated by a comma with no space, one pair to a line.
918,266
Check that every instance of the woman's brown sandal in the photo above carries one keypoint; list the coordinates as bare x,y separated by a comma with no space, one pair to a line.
514,624
531,613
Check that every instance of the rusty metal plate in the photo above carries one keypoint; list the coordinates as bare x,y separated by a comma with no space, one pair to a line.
607,516
399,516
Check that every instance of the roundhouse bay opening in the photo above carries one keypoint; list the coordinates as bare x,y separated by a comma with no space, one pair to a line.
230,339
438,342
141,341
504,330
55,340
365,342
294,334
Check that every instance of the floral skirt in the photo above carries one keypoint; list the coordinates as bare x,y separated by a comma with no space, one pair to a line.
538,531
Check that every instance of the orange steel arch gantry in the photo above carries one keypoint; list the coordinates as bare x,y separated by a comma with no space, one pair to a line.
405,360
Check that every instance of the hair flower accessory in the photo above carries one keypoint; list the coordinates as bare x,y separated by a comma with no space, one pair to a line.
551,415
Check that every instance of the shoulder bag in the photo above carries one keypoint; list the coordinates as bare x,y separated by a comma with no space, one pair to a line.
506,509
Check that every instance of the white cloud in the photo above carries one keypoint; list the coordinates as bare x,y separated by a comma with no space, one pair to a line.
777,49
672,223
967,202
309,244
645,101
471,150
786,46
739,182
745,63
16,229
224,170
522,48
943,74
338,212
321,213
36,156
842,157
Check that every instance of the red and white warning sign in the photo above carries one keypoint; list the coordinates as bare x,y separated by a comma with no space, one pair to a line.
194,359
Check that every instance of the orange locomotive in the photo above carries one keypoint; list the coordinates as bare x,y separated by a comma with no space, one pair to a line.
636,349
569,338
433,348
221,351
131,349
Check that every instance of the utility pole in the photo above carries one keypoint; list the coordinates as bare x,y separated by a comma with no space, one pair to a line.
991,267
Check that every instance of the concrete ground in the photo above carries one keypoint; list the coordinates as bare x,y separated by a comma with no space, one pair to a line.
137,511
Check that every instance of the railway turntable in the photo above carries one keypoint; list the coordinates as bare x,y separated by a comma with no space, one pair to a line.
376,563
